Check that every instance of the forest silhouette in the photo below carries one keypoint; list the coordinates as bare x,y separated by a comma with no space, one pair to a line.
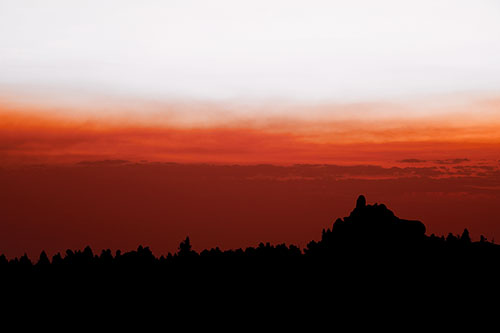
369,251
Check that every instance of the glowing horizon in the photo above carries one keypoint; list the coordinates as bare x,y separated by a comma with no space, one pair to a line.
232,133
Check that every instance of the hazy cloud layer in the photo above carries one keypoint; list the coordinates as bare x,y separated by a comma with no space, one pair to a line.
33,135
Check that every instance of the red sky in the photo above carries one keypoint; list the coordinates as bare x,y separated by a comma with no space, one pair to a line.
277,115
70,179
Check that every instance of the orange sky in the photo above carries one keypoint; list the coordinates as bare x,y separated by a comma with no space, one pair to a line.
70,178
42,135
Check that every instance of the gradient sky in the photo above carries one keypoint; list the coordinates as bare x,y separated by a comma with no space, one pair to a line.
261,105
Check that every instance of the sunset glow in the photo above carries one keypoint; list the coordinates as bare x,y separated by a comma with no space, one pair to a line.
126,123
225,134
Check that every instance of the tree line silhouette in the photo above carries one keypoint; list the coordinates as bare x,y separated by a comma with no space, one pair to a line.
370,235
369,257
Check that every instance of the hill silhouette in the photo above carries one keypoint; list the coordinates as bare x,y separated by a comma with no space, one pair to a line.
369,252
368,230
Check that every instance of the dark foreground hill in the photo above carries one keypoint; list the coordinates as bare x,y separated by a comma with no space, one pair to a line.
369,255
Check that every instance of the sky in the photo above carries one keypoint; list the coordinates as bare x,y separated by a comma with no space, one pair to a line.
326,51
117,116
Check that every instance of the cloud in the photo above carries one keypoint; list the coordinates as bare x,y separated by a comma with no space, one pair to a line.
311,172
103,163
412,160
452,161
28,136
437,161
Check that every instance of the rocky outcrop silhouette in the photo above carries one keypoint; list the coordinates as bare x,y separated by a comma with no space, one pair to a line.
376,223
372,232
